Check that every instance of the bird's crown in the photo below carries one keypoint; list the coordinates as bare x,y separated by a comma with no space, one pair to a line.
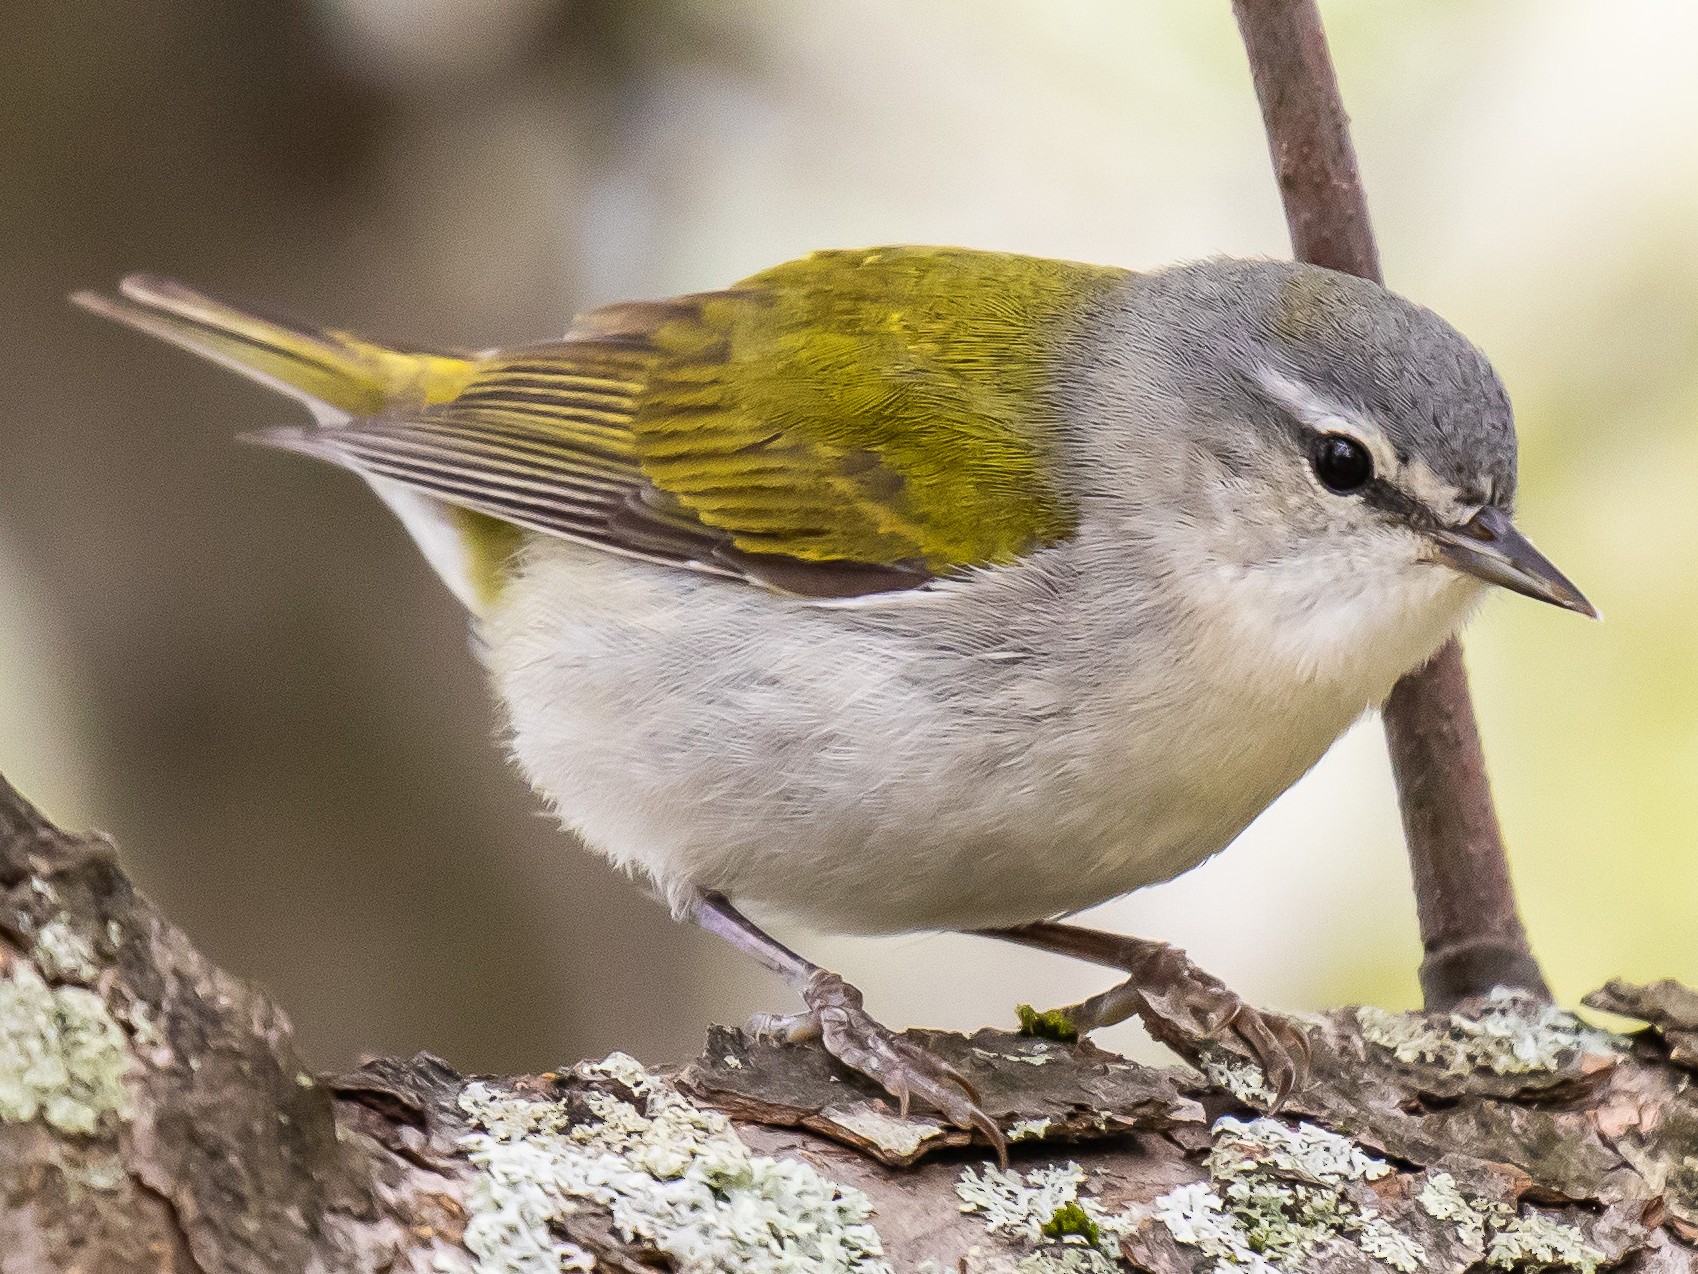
1334,351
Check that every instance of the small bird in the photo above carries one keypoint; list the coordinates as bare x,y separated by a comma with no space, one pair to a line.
932,589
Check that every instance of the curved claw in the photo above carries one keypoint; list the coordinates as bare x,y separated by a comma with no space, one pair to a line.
1179,1004
835,1016
1280,1047
901,1067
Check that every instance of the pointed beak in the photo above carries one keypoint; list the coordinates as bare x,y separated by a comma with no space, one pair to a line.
1489,547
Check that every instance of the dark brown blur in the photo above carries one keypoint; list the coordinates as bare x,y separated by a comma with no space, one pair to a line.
285,731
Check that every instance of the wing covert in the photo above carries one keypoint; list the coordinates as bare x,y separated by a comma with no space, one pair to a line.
849,423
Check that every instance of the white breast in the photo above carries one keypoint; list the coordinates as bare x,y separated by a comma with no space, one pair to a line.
1010,748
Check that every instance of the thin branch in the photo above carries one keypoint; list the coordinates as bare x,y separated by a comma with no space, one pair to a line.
1470,929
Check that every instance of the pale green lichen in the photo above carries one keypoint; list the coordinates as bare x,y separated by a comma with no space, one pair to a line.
1037,1052
1305,1153
1537,1242
1043,1208
1028,1129
890,1133
1066,1260
1514,1034
1240,1077
1505,1239
1018,1203
64,954
1276,1192
1198,1217
62,1056
671,1174
61,952
1442,1200
1380,1241
1051,1260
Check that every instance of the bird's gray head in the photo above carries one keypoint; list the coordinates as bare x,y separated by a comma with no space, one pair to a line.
1340,431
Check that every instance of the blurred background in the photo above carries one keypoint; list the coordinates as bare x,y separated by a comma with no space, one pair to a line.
235,663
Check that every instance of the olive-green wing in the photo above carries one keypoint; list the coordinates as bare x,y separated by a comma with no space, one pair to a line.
851,422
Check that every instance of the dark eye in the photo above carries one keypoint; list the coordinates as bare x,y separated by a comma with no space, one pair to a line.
1342,464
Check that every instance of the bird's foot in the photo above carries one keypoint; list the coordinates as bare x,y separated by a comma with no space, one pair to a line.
1181,1005
1177,996
903,1069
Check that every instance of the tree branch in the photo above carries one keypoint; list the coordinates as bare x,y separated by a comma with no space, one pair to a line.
1470,929
155,1116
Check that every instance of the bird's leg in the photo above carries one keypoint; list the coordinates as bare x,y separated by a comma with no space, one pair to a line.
834,1016
1177,1002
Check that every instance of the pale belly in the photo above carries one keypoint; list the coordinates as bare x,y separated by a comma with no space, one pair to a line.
1023,842
699,737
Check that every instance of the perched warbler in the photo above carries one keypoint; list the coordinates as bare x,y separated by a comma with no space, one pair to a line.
924,588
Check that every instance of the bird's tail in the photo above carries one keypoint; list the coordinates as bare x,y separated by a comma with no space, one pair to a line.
337,374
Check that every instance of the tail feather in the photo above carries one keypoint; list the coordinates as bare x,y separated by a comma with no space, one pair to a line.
336,374
339,376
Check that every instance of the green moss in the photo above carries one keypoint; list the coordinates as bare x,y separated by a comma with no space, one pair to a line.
1042,1209
1051,1024
1018,1203
1071,1219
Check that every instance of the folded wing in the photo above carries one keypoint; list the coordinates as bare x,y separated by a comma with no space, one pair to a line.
851,423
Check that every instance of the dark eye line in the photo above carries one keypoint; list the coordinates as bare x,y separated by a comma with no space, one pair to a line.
1385,497
1379,492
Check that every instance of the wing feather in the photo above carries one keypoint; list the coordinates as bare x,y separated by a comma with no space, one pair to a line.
846,424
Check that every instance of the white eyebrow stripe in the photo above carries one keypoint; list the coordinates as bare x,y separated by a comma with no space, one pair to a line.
1326,414
1329,416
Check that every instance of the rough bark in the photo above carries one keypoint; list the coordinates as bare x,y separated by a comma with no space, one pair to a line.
1470,929
155,1116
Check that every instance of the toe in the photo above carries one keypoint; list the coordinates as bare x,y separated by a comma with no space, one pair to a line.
907,1071
784,1028
1279,1046
921,1060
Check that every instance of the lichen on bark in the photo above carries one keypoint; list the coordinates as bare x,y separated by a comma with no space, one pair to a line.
62,1055
154,1115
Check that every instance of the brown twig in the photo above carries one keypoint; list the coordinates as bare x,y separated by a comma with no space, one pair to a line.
1470,930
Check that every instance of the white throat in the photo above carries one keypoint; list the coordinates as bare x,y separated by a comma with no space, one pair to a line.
1355,622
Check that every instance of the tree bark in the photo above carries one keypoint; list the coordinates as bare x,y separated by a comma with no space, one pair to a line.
1471,931
155,1116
